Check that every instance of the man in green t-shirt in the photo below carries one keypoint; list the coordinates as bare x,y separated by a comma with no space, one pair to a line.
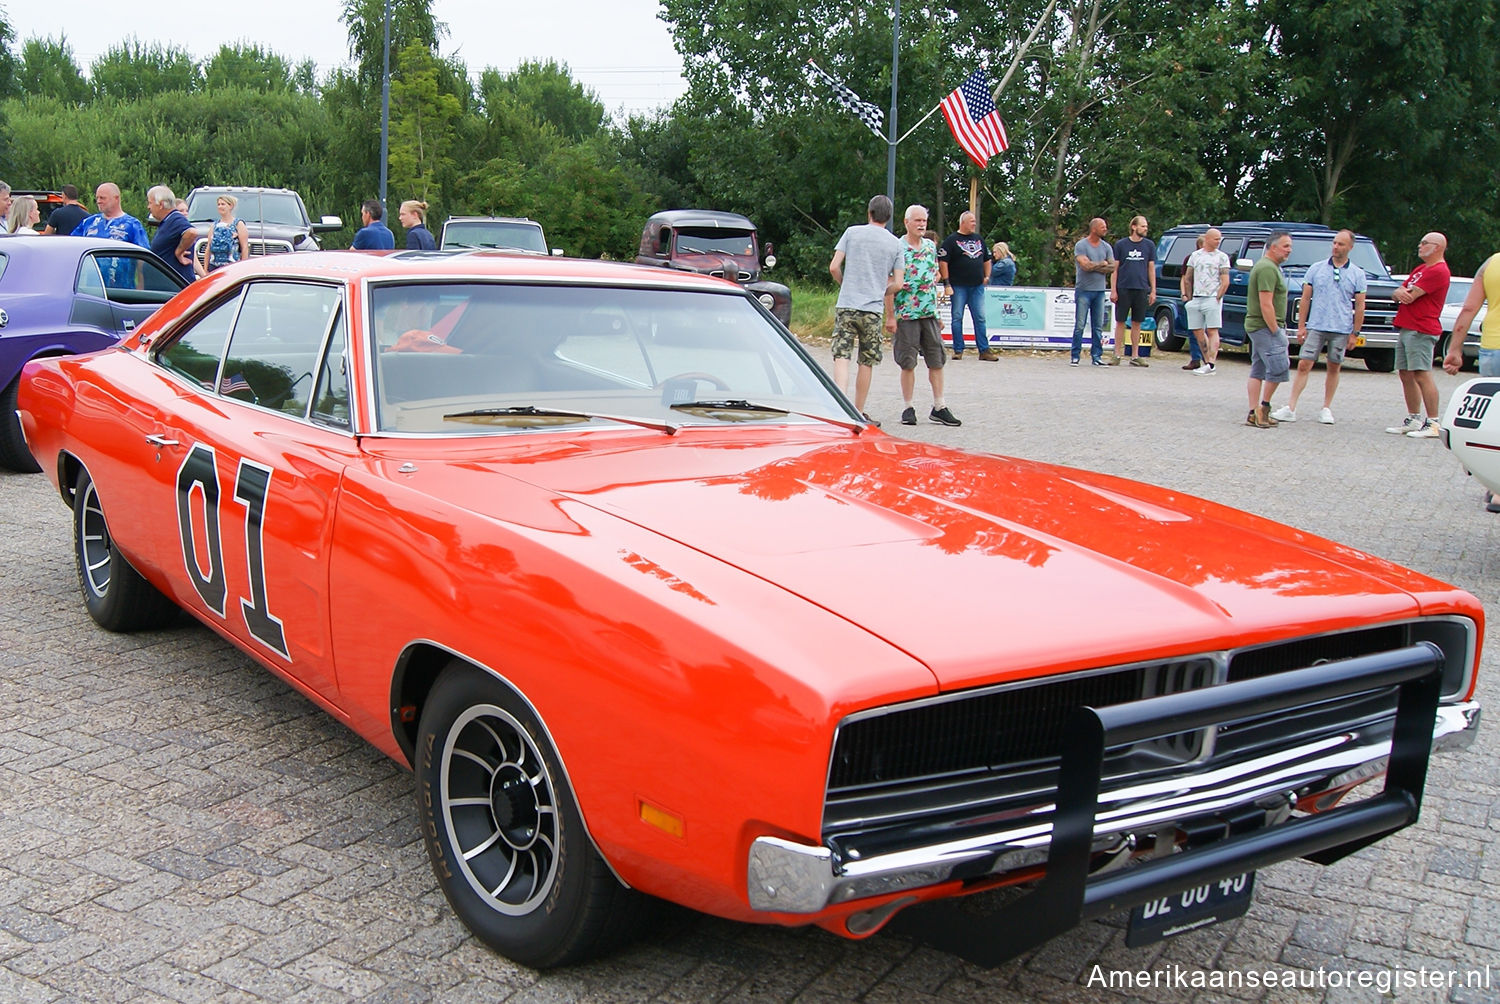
1265,314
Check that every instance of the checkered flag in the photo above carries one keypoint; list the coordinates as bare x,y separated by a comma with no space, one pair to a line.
869,114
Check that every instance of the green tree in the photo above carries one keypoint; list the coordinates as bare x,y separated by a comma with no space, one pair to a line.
411,22
422,125
249,67
49,70
133,70
550,92
9,66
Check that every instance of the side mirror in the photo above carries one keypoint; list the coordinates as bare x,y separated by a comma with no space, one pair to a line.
557,251
329,223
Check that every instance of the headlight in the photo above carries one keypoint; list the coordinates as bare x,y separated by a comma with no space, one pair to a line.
767,300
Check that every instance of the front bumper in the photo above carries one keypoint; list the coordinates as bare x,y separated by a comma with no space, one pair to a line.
788,877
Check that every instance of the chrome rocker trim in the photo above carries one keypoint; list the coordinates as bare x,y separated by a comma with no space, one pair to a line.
788,877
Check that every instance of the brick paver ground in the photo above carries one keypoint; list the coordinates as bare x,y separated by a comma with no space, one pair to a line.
179,825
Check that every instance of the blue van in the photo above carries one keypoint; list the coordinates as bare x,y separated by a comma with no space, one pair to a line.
1244,242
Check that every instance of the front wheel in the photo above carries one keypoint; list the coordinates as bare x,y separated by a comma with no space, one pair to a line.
503,833
1167,338
116,595
14,456
1380,360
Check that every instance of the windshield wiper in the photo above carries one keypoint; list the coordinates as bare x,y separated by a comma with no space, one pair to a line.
528,416
753,410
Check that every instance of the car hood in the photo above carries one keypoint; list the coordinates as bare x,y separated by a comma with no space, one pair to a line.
955,557
265,231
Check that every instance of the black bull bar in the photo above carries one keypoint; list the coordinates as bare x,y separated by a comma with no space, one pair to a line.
1066,895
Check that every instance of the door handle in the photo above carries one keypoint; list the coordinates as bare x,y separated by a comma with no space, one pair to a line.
161,441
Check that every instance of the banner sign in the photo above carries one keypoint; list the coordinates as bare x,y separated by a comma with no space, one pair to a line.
1027,317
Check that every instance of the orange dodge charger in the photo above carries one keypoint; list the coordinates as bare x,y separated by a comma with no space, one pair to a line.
607,560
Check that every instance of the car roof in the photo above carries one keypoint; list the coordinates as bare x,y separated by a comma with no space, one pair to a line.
1241,227
356,266
241,189
60,247
701,218
491,219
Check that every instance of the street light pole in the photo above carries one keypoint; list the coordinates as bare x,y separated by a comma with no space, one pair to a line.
890,149
385,102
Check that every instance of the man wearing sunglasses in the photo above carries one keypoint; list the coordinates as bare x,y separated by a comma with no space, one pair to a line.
1418,324
1330,312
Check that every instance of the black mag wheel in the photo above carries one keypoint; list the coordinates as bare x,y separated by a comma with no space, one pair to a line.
504,836
117,597
14,456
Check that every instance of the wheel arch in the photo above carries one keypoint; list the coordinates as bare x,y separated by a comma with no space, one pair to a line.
417,671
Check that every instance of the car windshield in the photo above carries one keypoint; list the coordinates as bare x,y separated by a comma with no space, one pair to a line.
715,240
494,234
468,358
279,208
1307,250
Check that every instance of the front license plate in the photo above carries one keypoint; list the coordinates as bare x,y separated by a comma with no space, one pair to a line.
1190,909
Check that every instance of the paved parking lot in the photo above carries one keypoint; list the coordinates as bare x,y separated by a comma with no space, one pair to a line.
179,825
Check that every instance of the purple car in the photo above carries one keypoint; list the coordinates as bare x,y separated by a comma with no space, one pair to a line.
61,295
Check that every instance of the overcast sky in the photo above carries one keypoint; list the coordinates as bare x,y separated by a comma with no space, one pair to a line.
619,49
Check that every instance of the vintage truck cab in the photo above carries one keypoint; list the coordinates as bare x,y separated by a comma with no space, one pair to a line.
714,243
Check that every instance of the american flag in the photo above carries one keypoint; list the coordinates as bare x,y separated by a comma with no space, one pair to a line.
235,383
971,115
869,114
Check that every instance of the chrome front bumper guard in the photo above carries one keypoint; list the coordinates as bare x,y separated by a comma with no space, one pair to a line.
788,877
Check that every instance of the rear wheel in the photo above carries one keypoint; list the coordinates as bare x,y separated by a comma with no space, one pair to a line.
1380,360
116,595
1167,337
14,456
503,833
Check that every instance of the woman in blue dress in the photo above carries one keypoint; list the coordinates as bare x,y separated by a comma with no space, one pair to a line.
228,241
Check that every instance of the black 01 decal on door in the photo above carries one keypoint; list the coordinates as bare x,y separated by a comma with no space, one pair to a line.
252,485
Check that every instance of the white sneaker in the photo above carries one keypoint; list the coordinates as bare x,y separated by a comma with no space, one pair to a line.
1284,414
1411,423
1325,416
1205,369
1427,431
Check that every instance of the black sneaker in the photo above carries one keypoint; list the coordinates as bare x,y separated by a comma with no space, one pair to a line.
909,416
942,416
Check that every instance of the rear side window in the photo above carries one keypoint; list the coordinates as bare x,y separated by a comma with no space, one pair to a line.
3,260
1174,254
273,355
195,354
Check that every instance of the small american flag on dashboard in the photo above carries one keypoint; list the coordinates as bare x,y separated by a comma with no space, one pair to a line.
230,385
972,117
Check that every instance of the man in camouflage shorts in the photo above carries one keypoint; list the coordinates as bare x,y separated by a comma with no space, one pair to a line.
867,264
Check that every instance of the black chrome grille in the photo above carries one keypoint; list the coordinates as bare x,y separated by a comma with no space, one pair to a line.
1000,729
918,768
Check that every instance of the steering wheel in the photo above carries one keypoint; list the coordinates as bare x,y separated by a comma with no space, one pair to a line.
694,375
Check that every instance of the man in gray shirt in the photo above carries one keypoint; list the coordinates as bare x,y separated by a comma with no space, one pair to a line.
1095,261
868,265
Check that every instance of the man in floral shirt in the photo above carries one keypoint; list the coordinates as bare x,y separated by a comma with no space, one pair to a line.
918,330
